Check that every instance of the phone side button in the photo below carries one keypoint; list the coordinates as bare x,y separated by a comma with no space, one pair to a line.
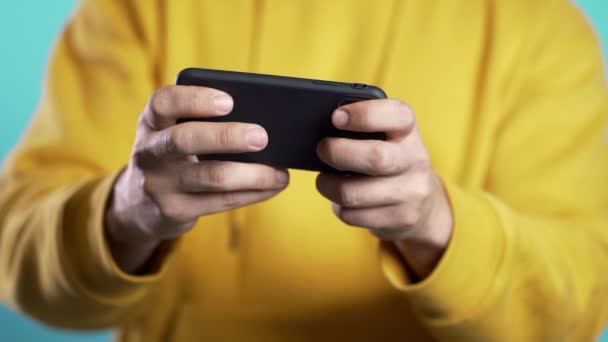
335,84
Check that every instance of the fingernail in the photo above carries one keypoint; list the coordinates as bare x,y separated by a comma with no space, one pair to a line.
282,177
340,118
256,137
223,103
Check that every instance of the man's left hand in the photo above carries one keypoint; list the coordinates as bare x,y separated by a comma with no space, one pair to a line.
396,195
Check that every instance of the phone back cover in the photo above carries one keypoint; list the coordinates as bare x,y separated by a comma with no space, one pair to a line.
295,112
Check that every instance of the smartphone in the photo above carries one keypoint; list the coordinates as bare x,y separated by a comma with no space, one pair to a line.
296,113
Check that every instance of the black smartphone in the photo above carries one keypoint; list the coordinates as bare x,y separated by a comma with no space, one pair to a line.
296,113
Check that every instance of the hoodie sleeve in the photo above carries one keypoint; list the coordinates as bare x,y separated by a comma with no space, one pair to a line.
55,265
529,250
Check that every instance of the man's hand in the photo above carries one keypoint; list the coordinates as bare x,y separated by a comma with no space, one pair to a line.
398,197
165,189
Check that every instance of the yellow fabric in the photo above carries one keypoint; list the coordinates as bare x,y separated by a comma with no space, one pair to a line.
511,99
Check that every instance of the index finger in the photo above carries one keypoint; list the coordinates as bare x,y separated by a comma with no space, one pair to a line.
391,116
173,102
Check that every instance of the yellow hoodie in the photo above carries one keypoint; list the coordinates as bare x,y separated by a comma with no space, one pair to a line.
511,99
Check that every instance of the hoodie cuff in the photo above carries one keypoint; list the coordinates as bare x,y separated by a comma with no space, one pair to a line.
465,277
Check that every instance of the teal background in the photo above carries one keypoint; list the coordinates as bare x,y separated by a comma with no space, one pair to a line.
27,32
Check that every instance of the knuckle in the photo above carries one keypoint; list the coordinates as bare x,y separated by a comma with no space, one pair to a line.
224,137
170,209
214,175
171,141
179,140
417,190
382,159
405,111
164,145
349,197
160,101
409,217
421,191
230,200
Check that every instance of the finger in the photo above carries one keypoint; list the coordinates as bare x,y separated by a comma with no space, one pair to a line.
361,191
389,222
219,176
173,102
196,138
392,116
370,157
185,207
352,192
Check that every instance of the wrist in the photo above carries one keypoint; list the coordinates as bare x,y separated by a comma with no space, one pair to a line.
122,224
119,233
423,251
131,254
130,248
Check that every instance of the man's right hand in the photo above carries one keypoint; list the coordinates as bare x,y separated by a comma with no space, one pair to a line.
165,188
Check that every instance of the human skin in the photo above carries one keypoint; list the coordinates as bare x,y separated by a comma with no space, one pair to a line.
398,198
165,188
